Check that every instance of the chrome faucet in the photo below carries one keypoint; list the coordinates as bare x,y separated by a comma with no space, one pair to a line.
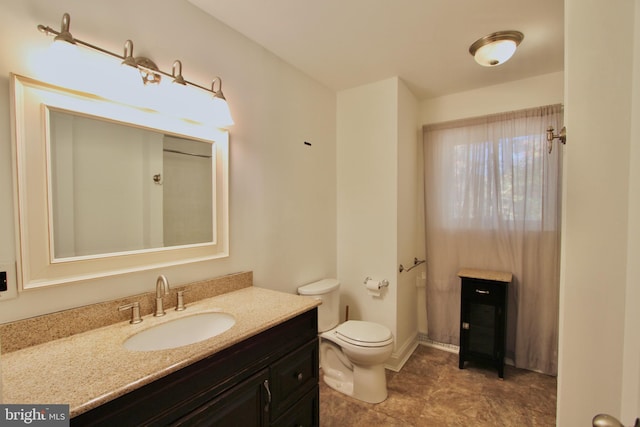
162,288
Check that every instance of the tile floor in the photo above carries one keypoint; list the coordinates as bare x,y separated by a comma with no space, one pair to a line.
430,390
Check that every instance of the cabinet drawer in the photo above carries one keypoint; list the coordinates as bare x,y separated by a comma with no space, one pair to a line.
480,290
293,376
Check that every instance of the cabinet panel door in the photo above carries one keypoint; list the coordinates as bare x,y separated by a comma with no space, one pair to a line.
246,404
482,324
306,412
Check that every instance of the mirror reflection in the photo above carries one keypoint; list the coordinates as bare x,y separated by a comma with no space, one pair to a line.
117,188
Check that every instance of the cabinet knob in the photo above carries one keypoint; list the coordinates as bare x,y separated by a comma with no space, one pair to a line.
482,291
300,376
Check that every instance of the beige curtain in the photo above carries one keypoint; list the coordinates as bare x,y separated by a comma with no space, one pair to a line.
492,196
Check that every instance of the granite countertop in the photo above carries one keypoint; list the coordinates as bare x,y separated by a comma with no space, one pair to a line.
92,368
497,276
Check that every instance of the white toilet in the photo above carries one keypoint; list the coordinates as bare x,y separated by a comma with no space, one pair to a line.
352,355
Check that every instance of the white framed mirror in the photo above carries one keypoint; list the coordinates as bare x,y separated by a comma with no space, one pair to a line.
105,188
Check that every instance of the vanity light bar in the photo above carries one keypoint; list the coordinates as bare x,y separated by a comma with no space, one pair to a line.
148,69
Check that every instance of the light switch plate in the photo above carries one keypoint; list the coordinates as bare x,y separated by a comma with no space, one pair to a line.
12,283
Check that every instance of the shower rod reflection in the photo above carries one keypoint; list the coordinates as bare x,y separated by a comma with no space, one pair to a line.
416,262
186,154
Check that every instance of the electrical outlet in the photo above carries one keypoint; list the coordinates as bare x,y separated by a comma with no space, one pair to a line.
8,280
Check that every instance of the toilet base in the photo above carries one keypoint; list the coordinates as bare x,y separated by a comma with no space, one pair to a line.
344,387
371,386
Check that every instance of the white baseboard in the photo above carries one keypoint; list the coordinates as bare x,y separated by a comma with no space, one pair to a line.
401,355
425,340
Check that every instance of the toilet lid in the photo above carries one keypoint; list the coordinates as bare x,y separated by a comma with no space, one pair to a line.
320,287
364,332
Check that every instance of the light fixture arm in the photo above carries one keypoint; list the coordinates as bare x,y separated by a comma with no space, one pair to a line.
217,93
65,35
176,73
142,63
561,136
128,58
60,35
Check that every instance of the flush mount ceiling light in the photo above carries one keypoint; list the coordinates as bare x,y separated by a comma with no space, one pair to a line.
149,71
495,48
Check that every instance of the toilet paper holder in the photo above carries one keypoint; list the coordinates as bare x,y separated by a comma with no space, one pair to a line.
381,284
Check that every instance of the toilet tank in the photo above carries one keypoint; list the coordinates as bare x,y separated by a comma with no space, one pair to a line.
326,290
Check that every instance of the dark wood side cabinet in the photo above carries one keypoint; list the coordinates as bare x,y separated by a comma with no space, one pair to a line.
270,379
483,312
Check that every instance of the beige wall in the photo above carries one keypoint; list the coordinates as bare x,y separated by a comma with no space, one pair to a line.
377,205
410,220
517,95
283,192
367,155
598,358
631,357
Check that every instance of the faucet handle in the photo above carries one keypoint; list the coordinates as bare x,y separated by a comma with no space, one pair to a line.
180,305
135,311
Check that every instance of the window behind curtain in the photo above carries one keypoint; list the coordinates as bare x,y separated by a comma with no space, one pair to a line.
497,181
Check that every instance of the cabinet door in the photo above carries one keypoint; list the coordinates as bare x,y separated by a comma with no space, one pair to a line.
246,404
306,412
482,329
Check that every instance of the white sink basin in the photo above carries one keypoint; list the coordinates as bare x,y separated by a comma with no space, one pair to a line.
179,332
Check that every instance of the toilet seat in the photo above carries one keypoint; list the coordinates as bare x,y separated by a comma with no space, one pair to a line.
364,334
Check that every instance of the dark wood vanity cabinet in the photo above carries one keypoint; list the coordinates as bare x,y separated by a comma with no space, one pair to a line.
483,311
270,379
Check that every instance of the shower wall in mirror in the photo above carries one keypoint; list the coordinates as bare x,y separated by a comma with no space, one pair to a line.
118,188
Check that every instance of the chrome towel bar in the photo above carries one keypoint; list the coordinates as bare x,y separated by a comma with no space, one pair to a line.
416,262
